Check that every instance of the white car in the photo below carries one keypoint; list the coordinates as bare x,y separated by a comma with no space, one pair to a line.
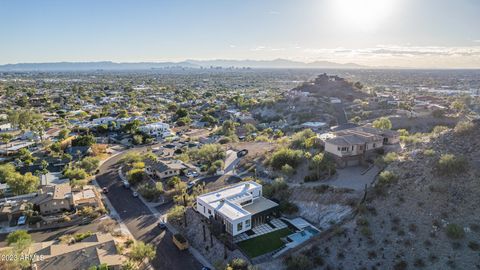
135,194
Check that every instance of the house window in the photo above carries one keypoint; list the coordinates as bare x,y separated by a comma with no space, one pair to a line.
247,223
239,226
209,212
374,145
338,148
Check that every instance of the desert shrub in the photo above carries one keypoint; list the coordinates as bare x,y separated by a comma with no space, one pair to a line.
173,181
129,242
304,139
455,231
403,132
429,152
463,127
386,177
138,165
75,174
150,192
382,123
449,164
390,157
287,207
286,156
474,245
401,265
419,263
237,264
288,170
175,214
272,190
80,236
89,164
135,176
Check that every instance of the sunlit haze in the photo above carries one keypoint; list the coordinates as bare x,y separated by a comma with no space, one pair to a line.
377,33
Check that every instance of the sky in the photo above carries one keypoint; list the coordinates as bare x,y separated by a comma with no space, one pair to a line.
396,33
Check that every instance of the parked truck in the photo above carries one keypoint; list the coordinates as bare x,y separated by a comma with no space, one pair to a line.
180,241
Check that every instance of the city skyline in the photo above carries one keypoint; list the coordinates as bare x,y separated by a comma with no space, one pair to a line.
391,33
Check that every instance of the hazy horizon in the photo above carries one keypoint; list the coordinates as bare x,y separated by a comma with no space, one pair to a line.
375,33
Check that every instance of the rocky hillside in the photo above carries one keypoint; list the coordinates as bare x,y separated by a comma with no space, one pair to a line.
422,214
333,86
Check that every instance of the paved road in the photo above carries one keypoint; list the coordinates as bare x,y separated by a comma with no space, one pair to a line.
141,222
340,114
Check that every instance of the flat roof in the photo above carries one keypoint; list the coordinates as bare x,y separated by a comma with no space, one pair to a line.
259,205
230,210
229,192
224,200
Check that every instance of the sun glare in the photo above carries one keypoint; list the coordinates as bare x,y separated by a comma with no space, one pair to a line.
362,14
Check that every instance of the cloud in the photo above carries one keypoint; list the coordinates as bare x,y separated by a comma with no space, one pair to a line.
477,40
273,12
402,51
267,48
232,46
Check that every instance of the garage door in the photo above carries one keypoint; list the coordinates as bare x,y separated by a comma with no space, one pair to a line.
353,162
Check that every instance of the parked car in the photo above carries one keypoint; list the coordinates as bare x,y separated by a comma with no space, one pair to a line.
126,184
22,220
206,268
162,225
242,153
135,194
105,190
192,174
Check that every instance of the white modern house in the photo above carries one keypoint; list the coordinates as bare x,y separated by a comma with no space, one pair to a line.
158,129
239,207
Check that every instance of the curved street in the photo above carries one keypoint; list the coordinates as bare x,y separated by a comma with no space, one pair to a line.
140,221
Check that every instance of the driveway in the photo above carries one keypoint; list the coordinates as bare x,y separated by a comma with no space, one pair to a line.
353,177
231,161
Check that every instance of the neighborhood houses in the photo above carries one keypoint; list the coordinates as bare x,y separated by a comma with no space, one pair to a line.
218,168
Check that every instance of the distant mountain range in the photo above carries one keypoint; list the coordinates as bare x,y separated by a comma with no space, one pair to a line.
107,65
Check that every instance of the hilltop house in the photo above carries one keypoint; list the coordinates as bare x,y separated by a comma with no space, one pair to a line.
350,147
238,207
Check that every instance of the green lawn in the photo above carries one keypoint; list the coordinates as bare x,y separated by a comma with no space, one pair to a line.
264,243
